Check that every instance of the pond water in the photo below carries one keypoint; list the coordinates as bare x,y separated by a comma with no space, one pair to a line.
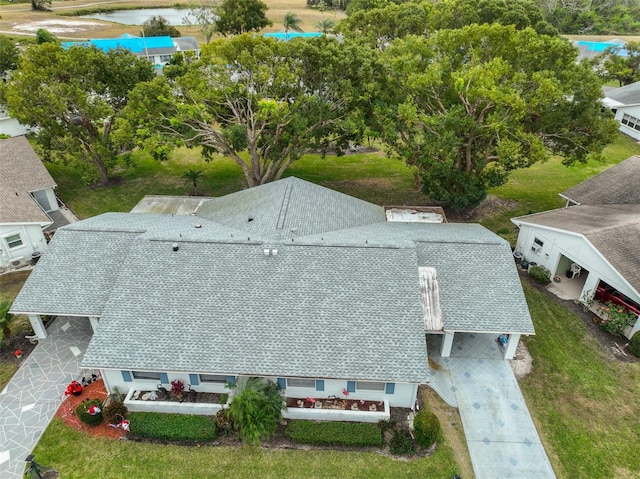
137,17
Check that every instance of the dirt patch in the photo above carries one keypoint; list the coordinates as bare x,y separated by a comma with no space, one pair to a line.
16,342
490,206
522,362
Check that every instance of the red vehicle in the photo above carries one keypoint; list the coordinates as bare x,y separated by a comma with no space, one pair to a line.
605,293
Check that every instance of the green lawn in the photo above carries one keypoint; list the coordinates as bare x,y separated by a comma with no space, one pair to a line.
77,456
536,189
584,403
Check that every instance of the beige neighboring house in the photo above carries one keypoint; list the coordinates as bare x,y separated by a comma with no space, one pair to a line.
28,204
592,246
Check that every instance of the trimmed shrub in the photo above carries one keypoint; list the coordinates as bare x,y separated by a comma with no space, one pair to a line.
540,274
329,433
84,416
114,412
402,443
172,427
426,428
634,344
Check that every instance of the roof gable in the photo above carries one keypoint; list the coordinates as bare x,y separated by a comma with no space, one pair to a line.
615,185
626,95
290,208
21,172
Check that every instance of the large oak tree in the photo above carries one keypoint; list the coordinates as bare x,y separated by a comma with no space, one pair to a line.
72,98
468,106
274,100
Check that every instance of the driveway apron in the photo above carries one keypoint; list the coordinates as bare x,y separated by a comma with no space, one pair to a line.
32,397
502,439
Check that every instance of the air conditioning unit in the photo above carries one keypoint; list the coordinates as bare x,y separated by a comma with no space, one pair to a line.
536,248
18,262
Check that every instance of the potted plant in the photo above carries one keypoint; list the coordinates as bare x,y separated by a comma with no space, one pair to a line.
18,353
74,388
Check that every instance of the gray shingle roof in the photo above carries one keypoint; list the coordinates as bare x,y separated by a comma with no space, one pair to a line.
479,287
340,301
615,185
309,311
75,274
614,230
21,172
627,95
277,208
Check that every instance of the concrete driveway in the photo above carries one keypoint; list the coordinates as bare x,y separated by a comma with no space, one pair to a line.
502,439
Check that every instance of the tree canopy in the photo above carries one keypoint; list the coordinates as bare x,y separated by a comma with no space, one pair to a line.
8,54
158,26
611,65
467,106
241,16
72,97
273,99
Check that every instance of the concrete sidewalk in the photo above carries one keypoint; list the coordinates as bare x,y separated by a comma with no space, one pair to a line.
502,439
32,397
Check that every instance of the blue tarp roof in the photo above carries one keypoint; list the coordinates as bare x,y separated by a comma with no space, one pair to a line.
134,44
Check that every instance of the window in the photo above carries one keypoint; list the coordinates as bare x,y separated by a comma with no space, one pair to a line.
165,58
301,383
146,375
630,121
537,245
213,378
14,241
369,386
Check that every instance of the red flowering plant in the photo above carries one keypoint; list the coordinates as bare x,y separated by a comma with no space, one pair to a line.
177,387
74,388
310,399
345,393
18,353
615,319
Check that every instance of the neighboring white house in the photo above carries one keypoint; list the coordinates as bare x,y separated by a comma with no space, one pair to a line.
624,102
27,202
11,126
289,281
593,244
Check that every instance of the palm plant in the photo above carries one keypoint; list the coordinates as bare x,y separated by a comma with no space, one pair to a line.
256,408
325,25
291,22
192,176
5,318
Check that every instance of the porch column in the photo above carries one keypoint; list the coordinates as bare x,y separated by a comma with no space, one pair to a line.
447,343
94,323
512,344
38,327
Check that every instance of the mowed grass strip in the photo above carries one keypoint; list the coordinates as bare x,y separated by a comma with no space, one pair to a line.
78,456
584,402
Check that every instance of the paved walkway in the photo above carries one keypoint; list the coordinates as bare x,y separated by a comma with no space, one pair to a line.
32,397
502,439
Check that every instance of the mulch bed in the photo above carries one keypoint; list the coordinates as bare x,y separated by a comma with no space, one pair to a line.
67,412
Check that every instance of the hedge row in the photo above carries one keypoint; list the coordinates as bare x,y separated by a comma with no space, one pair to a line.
334,433
172,427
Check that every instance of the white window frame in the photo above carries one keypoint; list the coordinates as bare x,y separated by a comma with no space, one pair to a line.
8,241
213,378
301,383
370,386
145,376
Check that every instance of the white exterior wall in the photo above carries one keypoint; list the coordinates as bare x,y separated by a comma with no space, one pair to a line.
577,249
11,126
404,394
313,414
32,240
629,110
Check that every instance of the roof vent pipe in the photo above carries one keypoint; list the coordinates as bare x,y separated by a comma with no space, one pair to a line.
175,247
